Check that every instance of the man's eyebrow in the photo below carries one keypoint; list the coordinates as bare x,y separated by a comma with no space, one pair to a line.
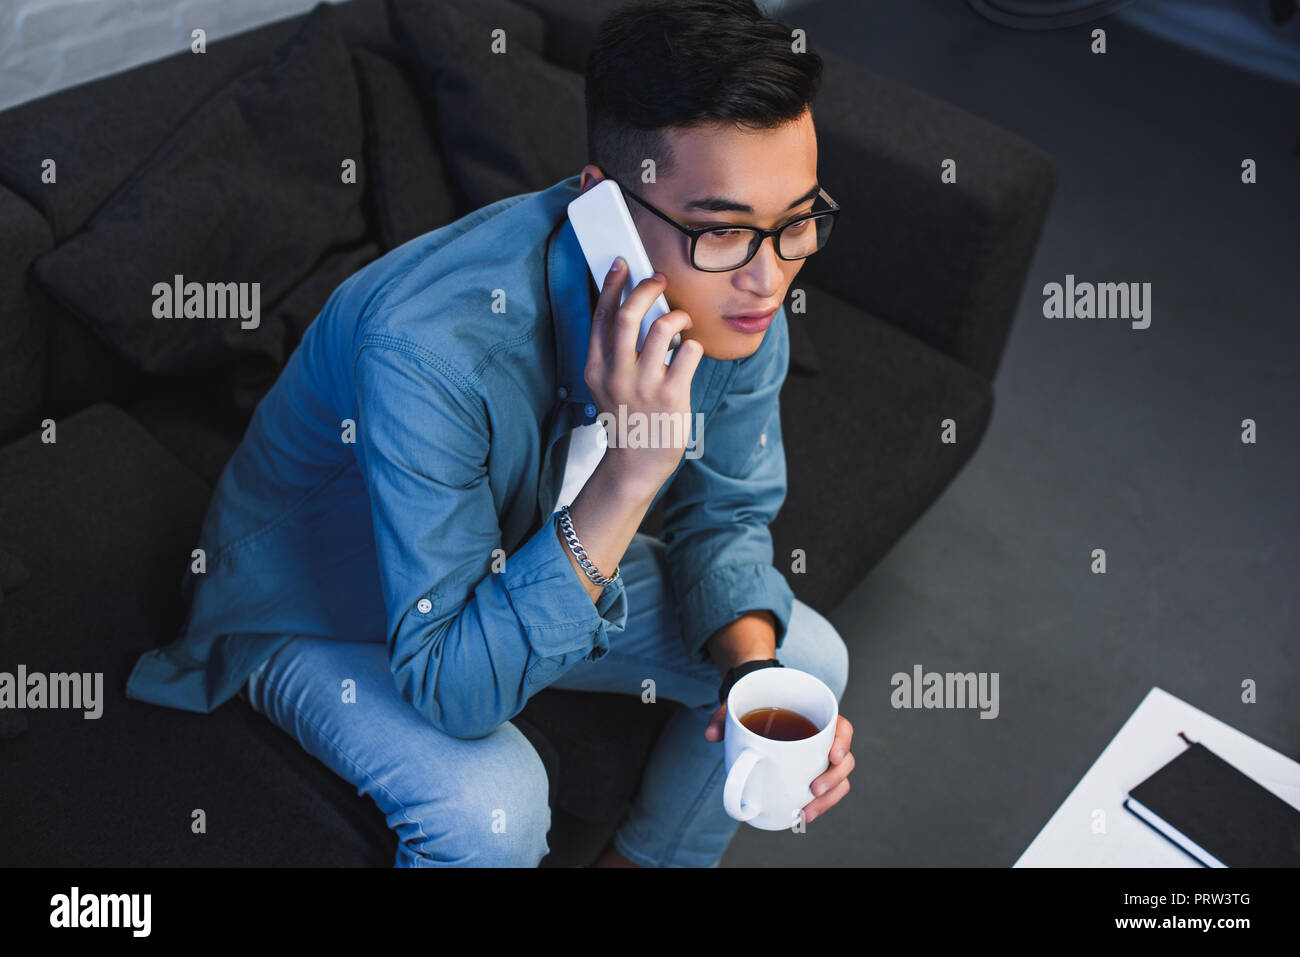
720,204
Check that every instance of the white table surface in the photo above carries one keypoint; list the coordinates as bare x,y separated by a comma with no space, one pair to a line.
1147,741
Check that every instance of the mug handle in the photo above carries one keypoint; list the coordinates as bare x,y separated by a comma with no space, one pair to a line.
737,777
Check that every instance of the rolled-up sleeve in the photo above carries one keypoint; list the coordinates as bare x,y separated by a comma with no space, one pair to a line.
719,505
467,645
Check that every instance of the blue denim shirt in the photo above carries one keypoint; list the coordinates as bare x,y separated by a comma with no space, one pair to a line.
397,484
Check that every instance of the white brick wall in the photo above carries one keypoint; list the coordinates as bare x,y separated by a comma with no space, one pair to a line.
46,45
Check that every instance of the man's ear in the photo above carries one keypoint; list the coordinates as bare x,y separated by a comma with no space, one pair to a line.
591,175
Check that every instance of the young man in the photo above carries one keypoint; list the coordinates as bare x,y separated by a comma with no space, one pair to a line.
389,563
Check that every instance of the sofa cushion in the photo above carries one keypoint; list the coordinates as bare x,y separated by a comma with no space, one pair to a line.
100,131
104,517
104,587
104,520
523,26
247,190
23,341
12,573
508,123
183,421
81,369
408,184
865,432
180,415
571,27
803,354
602,741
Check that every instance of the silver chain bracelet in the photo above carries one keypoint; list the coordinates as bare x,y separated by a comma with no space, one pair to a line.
580,553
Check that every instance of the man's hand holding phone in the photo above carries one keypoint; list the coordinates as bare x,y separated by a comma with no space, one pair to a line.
612,504
641,385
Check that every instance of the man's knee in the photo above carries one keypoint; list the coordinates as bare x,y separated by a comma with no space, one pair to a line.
814,645
492,810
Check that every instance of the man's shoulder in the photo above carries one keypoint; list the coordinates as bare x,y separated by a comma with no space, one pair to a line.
466,287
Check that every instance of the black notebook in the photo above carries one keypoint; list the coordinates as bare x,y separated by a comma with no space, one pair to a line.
1217,814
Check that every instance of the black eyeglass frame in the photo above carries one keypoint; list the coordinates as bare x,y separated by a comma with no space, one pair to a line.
694,232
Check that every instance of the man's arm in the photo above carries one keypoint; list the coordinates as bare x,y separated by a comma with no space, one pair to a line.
733,603
751,637
468,645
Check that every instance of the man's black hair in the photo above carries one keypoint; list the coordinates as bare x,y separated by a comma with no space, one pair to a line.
677,63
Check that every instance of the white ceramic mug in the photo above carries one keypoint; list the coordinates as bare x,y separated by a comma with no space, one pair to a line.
768,781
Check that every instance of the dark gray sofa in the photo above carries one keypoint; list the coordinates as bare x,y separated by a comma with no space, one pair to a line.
908,312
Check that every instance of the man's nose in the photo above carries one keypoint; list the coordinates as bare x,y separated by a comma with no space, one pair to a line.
765,267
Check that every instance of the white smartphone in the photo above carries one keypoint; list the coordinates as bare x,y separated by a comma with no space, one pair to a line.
605,231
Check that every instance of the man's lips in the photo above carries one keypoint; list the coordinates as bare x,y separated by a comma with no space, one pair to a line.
754,315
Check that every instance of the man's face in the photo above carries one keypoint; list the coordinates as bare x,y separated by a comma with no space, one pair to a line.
765,171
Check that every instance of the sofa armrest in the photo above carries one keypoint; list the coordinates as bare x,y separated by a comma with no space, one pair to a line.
944,261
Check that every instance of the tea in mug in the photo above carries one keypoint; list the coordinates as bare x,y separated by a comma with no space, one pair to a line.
779,724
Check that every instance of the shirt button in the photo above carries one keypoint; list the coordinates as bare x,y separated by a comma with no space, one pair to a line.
424,605
762,438
563,392
589,410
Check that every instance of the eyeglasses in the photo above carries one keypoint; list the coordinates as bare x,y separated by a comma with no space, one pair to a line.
724,248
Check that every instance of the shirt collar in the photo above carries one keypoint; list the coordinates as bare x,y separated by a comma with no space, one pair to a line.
572,293
572,300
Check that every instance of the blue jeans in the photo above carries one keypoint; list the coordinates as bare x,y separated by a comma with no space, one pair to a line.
484,802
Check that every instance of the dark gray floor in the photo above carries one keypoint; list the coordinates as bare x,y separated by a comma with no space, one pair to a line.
1103,437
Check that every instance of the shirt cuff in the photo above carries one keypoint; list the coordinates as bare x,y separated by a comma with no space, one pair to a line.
557,614
724,595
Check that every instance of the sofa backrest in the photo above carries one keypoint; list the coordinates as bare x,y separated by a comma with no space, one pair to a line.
944,262
98,133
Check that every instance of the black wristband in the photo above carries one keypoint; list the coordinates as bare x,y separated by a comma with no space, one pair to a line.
739,671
